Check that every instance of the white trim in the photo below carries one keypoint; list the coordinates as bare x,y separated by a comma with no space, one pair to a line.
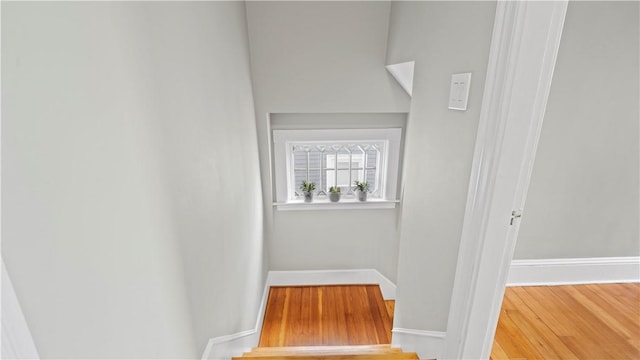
228,346
427,344
426,333
343,204
17,342
226,338
524,46
603,270
334,277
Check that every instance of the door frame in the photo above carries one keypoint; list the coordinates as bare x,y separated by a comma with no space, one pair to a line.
524,47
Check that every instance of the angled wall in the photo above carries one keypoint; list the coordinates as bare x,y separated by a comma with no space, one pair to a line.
132,224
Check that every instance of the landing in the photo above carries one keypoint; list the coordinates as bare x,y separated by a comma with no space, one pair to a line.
325,315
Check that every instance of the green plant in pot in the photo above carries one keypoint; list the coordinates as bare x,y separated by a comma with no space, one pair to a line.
334,193
307,188
362,187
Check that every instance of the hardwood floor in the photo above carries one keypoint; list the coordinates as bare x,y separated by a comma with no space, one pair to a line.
555,322
391,308
325,315
569,322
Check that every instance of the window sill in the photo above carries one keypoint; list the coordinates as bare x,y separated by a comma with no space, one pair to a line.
344,204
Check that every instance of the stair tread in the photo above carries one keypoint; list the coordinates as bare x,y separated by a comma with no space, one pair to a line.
359,352
388,356
327,349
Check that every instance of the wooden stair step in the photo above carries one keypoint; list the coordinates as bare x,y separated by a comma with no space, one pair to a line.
388,356
322,350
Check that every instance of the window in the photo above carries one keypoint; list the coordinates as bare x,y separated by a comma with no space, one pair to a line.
336,158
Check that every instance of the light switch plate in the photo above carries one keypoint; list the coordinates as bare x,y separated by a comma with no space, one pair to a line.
459,93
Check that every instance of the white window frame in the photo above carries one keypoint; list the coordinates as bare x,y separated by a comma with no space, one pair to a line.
283,167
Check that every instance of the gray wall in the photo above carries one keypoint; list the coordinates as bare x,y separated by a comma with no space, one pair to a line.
129,229
583,199
443,38
313,57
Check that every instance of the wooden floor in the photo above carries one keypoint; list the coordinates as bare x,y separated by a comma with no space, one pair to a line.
569,322
325,315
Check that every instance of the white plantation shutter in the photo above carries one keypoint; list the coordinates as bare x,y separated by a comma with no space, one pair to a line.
336,157
339,164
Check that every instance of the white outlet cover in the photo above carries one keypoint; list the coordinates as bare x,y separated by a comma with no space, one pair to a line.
459,93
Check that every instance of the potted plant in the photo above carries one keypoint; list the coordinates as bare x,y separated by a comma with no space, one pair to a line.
307,188
362,187
334,193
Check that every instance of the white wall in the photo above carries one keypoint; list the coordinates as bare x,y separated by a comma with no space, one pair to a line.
323,57
583,199
443,38
132,225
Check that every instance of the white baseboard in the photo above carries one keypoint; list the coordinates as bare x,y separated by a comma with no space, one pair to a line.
16,340
334,277
228,346
574,271
427,344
